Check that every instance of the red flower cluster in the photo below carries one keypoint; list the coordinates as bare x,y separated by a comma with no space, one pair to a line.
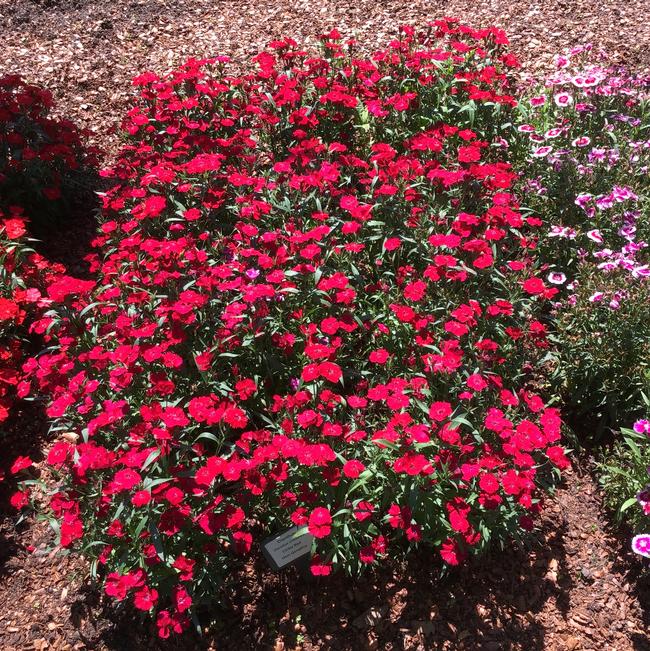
314,307
24,277
39,154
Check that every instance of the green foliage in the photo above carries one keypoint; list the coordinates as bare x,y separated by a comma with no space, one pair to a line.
624,469
583,150
604,353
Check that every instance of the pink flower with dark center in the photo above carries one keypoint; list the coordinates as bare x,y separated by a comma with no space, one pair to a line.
583,141
557,278
563,99
561,61
641,545
643,498
540,152
595,235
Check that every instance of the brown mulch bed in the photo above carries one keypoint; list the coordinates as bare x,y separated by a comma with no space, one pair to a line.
575,588
87,51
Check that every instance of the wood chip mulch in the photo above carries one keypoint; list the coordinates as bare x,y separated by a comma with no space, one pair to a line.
576,588
87,51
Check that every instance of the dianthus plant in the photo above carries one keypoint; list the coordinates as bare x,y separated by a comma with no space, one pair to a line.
316,306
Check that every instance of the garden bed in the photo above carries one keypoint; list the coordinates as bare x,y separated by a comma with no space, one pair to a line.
577,589
575,586
88,51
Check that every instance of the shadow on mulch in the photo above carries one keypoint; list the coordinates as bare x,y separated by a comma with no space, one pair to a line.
637,574
521,598
626,563
26,431
489,604
68,240
22,435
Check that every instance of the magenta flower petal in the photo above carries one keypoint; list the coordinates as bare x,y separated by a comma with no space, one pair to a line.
641,544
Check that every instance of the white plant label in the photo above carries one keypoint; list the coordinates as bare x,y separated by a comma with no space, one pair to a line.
287,547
